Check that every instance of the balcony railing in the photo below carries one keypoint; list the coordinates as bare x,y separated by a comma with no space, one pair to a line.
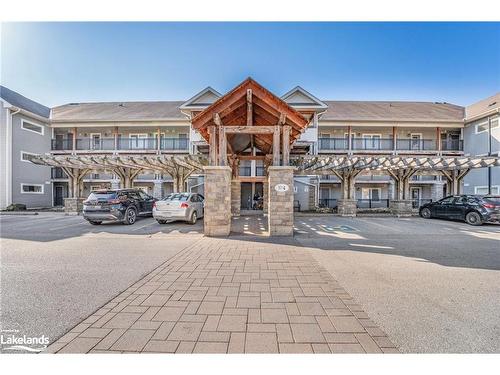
382,144
57,172
452,145
245,171
408,144
387,144
372,203
128,144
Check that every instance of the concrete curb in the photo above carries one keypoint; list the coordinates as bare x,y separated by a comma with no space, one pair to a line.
18,213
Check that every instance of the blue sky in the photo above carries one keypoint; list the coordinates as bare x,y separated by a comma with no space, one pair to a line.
57,63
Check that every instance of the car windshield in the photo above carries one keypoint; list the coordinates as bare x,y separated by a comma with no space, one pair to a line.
493,200
177,197
98,196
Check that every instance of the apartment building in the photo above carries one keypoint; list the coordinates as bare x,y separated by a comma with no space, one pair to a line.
164,127
482,132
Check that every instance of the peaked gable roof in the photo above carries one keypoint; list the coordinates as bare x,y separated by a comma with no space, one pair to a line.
483,107
300,98
202,100
20,101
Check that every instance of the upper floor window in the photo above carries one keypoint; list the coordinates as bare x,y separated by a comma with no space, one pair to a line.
31,188
29,126
483,126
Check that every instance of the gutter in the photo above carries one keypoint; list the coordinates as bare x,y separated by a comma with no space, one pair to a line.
481,115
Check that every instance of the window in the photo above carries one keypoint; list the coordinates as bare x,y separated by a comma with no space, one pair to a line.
26,156
371,141
95,187
447,200
29,126
371,193
483,190
483,126
143,195
32,188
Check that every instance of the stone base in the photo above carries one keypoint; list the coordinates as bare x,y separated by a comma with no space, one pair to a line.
347,207
280,203
235,198
217,220
73,206
401,208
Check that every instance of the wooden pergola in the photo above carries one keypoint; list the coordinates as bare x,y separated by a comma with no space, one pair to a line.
249,123
400,168
126,167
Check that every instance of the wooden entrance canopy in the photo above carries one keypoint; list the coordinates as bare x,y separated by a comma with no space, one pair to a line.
249,116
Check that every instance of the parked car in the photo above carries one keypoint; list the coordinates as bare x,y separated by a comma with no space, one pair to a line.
121,205
179,206
473,209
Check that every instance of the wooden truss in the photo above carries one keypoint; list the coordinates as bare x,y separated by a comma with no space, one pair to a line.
400,168
126,167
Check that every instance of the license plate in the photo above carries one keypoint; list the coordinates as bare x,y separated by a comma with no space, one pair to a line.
168,214
94,208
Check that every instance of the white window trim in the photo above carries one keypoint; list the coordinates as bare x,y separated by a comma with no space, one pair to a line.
481,123
35,124
32,192
26,152
486,187
419,188
370,194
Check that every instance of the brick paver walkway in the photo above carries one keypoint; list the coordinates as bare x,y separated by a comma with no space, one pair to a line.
231,296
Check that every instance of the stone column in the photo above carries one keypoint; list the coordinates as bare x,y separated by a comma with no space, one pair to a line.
437,190
158,189
217,220
347,207
73,206
401,208
280,201
235,197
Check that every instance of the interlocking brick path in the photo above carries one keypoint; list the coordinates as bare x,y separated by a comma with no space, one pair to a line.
232,295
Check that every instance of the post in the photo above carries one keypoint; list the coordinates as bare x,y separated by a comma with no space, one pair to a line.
222,146
349,136
74,139
286,145
158,140
438,138
217,221
212,130
249,108
115,135
394,140
276,146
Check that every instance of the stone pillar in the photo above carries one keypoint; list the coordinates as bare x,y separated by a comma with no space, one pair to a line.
280,201
158,189
437,190
347,207
265,194
401,208
73,206
217,220
235,197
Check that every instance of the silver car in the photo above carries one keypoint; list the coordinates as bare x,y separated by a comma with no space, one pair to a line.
179,206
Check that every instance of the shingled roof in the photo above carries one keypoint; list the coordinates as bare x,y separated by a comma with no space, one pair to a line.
392,111
483,107
118,111
22,102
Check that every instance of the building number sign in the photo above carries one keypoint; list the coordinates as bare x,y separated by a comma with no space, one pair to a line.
281,188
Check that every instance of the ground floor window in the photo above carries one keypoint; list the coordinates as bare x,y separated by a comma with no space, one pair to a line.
31,188
483,190
371,193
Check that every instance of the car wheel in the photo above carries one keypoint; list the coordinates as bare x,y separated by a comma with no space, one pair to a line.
193,219
95,222
425,213
473,218
130,216
161,221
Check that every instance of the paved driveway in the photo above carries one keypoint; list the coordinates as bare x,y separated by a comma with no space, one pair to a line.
432,285
56,270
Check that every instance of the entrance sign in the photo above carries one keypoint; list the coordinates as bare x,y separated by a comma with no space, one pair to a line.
281,188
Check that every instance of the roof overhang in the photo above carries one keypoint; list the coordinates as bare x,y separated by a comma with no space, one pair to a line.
266,109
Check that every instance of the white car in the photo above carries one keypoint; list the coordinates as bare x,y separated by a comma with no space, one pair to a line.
179,206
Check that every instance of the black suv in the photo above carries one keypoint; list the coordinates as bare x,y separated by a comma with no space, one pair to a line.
123,205
474,209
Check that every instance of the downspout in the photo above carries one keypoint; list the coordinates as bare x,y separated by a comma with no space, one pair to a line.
8,149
